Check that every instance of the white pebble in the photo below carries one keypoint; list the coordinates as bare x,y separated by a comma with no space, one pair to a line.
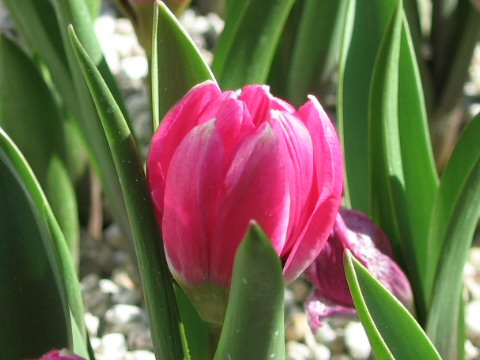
92,323
108,286
135,67
298,351
121,314
472,319
140,355
471,351
114,345
321,352
356,341
325,334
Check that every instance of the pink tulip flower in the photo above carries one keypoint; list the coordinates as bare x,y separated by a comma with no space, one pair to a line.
369,244
60,355
220,160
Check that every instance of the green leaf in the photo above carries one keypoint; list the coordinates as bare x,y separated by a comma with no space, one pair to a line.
29,115
402,197
455,215
316,48
156,279
253,327
246,48
177,64
391,329
416,151
36,272
366,25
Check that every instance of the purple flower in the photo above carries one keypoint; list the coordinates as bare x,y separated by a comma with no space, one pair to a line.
369,244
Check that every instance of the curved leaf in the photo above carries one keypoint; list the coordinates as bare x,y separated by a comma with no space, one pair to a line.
37,274
392,330
366,26
156,278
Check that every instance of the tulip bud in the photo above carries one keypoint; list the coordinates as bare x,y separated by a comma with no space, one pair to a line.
220,160
60,355
140,13
369,244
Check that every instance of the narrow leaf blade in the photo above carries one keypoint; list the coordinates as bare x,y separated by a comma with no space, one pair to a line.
177,64
253,327
367,22
385,320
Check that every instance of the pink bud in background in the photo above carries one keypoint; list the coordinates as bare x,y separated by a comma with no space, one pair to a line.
369,244
220,160
60,355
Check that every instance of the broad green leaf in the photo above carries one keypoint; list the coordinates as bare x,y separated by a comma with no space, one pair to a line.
253,327
316,47
391,329
156,279
366,25
37,275
177,64
455,215
246,48
29,115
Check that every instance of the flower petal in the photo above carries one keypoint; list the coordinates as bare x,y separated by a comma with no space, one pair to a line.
297,148
194,179
326,191
191,110
319,309
254,189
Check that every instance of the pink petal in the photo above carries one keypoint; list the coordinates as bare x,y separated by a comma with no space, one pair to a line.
60,355
259,102
193,109
326,193
254,189
320,309
194,179
296,145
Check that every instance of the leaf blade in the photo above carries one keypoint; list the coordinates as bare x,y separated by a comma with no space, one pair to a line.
385,319
253,327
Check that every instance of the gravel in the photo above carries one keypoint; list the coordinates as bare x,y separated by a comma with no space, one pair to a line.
115,316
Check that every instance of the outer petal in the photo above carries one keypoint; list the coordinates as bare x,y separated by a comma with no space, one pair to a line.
254,189
191,110
296,145
326,191
194,178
